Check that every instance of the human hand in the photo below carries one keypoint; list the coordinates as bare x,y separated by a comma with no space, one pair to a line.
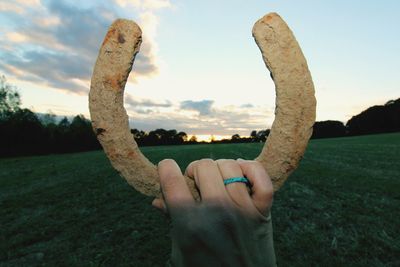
209,176
230,225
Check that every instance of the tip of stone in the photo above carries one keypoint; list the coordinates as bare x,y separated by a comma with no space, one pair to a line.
125,23
270,19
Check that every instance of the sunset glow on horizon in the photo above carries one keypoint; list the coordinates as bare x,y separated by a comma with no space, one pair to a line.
209,138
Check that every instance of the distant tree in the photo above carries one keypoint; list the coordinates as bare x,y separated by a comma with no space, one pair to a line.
171,138
253,135
325,129
212,139
9,98
376,119
21,133
390,102
262,135
62,141
182,137
193,139
155,137
64,123
139,136
235,138
82,135
50,132
135,133
48,118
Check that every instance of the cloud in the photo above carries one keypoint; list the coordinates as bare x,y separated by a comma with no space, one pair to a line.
55,43
144,4
204,107
208,119
248,105
145,103
144,106
16,37
18,6
44,67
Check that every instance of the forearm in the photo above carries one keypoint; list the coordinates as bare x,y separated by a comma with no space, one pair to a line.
210,236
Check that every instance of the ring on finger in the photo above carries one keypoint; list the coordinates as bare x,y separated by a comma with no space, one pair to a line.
237,180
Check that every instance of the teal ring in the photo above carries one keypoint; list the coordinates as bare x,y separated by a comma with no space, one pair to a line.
237,180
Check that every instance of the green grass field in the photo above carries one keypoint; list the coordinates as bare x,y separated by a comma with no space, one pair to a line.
340,208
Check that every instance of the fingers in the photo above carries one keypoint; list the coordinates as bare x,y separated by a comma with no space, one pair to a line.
173,185
262,189
208,180
209,176
237,191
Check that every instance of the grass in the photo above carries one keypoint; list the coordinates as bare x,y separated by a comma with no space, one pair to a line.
340,208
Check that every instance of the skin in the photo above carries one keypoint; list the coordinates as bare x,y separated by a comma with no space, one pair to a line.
229,225
209,176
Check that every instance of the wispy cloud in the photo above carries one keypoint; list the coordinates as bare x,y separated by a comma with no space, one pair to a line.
55,43
18,6
204,107
144,4
207,119
135,102
248,105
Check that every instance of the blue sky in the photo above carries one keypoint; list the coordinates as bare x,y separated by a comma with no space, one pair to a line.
199,69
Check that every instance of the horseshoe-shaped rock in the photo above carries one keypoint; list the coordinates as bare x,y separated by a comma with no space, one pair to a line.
294,112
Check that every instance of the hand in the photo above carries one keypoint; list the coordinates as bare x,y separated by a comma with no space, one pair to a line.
230,225
209,176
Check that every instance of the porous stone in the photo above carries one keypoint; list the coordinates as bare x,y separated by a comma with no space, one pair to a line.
295,102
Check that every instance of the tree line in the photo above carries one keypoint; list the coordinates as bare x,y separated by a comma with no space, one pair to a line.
23,132
374,120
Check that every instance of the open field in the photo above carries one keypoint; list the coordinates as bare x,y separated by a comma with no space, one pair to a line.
340,208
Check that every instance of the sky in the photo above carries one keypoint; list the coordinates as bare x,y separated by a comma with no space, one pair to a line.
199,69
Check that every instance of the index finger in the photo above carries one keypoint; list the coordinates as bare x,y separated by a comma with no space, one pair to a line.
173,185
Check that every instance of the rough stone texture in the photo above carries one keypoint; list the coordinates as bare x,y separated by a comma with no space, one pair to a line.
295,100
295,103
109,118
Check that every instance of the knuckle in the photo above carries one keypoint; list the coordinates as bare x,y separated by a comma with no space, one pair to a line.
204,163
170,180
226,162
252,165
260,171
267,193
257,164
166,162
